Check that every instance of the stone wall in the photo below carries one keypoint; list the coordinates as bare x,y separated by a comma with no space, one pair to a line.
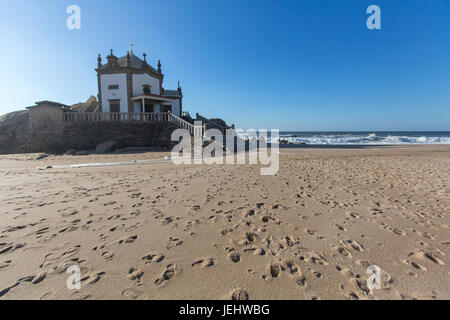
45,128
47,132
87,135
46,119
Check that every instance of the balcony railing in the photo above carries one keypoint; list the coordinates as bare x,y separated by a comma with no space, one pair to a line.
70,117
115,117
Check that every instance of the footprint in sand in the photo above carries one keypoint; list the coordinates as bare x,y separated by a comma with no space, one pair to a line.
317,274
108,255
130,239
251,237
256,251
314,258
5,264
15,228
136,275
153,258
34,279
301,282
343,251
168,274
204,263
352,296
415,265
239,294
355,245
260,252
234,256
293,269
290,241
7,289
362,285
399,232
58,254
433,257
340,227
10,247
429,255
131,293
260,205
353,215
274,269
174,242
93,277
249,213
429,236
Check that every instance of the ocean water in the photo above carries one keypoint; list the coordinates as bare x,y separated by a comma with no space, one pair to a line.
367,138
361,138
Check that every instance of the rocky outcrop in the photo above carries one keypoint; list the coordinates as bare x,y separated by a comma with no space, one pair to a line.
219,121
14,131
91,105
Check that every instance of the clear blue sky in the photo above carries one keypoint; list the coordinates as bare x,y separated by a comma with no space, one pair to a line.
293,65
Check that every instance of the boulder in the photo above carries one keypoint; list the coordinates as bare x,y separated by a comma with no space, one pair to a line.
42,156
71,152
91,105
219,121
105,146
15,123
14,131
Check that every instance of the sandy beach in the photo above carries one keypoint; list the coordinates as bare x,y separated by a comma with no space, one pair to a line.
160,231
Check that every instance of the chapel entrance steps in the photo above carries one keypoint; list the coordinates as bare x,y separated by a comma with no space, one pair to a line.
199,126
221,127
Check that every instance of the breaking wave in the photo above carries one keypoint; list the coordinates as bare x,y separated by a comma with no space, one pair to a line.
364,138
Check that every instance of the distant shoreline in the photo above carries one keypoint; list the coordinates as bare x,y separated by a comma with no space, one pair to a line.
359,146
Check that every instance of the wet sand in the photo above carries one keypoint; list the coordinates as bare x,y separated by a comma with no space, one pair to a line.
160,231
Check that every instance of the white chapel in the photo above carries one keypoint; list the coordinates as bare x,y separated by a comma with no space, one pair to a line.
131,85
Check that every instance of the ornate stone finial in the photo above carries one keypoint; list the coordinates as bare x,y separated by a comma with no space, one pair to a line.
179,87
128,59
159,66
145,57
99,61
112,60
131,48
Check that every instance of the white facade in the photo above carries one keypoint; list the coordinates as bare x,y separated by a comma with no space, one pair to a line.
176,108
119,79
139,80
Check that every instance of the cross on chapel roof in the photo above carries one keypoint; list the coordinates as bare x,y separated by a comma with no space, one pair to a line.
131,48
